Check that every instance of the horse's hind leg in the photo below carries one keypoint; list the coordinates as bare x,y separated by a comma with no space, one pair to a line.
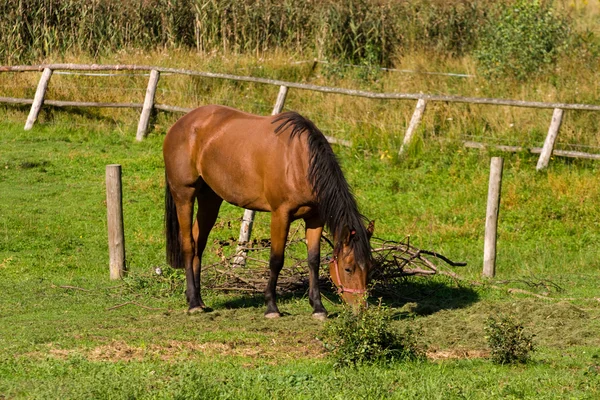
184,197
208,210
314,229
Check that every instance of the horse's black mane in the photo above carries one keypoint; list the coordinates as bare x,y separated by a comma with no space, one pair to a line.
337,206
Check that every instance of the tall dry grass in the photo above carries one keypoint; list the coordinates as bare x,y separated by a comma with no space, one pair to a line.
375,126
373,31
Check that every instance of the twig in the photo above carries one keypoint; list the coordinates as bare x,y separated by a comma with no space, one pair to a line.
527,292
293,235
441,257
543,282
232,288
328,299
246,281
416,271
328,241
258,260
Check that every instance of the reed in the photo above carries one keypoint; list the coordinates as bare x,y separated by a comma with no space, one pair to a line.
372,31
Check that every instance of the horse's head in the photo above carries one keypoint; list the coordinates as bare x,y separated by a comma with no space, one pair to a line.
348,272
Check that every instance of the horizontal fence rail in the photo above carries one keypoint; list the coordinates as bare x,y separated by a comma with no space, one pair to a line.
155,71
305,86
61,103
533,150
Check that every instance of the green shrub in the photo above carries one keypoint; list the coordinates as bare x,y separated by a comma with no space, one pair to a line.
522,39
508,341
368,337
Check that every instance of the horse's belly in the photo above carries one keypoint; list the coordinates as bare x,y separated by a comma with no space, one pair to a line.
256,204
238,190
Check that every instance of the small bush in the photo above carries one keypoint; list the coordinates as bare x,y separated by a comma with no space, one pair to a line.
368,337
508,341
522,39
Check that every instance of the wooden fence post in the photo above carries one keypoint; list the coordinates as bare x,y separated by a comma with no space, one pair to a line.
414,122
280,100
38,99
245,233
148,105
491,218
248,218
114,212
550,139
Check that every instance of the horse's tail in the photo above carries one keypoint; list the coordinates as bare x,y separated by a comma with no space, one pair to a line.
174,253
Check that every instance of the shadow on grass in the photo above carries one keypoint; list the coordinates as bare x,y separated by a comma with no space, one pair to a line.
257,300
245,301
424,296
408,296
411,296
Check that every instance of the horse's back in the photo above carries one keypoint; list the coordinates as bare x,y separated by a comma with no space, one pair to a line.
239,156
203,120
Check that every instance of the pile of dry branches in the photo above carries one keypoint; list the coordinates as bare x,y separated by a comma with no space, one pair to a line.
393,261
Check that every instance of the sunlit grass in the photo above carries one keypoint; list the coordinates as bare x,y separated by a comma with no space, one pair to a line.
62,321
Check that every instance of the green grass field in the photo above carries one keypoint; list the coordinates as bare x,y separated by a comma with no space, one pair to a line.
67,331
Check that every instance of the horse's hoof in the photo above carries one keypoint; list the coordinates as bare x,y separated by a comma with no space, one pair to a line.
321,316
195,310
272,315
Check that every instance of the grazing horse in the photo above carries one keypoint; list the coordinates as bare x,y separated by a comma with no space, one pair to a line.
281,164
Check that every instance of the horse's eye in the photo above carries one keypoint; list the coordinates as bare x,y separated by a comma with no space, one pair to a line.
348,270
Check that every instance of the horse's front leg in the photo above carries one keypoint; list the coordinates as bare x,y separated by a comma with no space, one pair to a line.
314,229
280,224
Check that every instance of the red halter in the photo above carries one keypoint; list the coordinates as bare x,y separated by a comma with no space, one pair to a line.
341,289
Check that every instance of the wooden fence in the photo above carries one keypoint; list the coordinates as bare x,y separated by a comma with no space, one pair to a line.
422,100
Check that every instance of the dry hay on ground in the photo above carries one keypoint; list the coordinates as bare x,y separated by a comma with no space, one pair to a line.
393,261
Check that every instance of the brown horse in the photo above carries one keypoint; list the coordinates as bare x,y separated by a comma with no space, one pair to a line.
282,164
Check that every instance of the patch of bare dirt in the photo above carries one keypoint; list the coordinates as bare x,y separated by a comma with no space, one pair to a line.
175,349
118,350
456,354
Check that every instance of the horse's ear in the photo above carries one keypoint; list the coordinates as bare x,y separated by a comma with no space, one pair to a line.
370,229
